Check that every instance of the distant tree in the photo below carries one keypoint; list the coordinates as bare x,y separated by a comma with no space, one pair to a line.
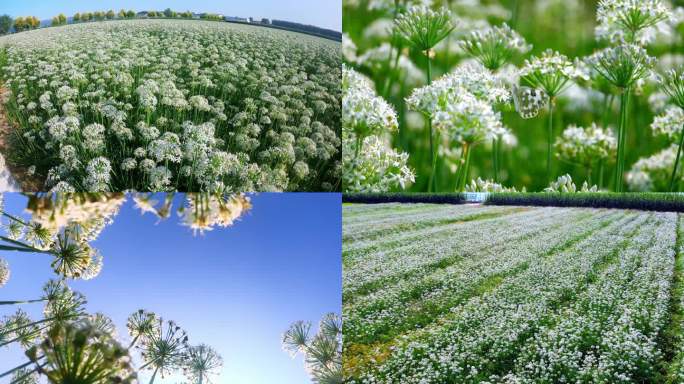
110,14
174,14
121,14
210,16
130,14
87,16
5,24
167,12
99,15
19,24
35,23
76,18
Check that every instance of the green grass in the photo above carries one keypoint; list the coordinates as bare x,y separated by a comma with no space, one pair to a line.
665,202
428,198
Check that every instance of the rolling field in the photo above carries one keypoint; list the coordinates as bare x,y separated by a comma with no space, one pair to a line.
489,294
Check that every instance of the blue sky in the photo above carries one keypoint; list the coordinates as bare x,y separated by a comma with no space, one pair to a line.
322,13
236,289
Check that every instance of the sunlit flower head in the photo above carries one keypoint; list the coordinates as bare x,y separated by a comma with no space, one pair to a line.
364,113
653,172
631,16
20,328
669,123
673,86
72,257
586,146
80,352
142,324
422,27
163,350
495,46
103,323
377,168
322,352
622,65
201,363
68,306
552,72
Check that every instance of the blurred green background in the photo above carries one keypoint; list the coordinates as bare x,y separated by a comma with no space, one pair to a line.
563,25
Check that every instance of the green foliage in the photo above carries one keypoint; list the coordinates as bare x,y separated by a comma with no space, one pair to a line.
5,24
641,201
59,20
379,198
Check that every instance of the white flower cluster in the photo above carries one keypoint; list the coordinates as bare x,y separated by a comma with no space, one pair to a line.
552,71
460,104
552,294
653,172
424,27
564,184
669,123
363,112
586,146
176,105
479,185
629,20
377,168
494,46
370,165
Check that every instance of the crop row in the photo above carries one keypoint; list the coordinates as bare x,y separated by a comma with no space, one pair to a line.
542,295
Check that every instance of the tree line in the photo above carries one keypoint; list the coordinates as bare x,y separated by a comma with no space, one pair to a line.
8,24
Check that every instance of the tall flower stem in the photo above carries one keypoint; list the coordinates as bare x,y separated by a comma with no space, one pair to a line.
674,170
21,302
600,173
432,182
459,170
624,104
550,139
464,176
495,158
16,368
154,375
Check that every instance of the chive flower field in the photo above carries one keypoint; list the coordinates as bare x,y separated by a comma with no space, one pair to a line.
498,294
512,94
171,105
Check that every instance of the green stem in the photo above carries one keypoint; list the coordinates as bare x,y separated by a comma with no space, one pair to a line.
432,182
459,170
624,103
494,160
466,166
21,302
550,139
679,151
601,173
589,175
153,375
16,368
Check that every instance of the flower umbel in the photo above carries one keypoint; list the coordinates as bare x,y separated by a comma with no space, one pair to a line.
423,27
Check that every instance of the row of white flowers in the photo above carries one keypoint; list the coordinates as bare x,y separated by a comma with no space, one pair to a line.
551,294
175,105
